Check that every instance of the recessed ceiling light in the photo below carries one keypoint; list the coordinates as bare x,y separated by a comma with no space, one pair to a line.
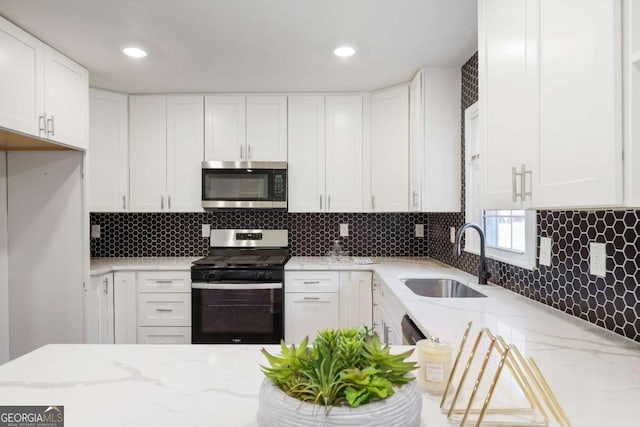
134,52
344,51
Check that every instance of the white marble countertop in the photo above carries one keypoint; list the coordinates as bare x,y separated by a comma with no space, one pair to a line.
106,265
149,385
594,373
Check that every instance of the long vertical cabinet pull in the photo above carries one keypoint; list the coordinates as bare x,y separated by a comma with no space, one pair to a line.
124,202
106,286
51,131
248,152
241,153
42,124
161,202
373,201
329,202
523,176
169,201
321,202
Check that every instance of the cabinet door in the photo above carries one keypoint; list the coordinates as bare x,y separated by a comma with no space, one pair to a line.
344,153
109,151
185,146
267,128
22,77
306,164
99,310
225,128
306,313
66,100
580,151
416,143
508,98
148,153
390,150
356,299
124,307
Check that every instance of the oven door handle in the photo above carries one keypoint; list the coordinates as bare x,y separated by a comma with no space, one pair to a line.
237,286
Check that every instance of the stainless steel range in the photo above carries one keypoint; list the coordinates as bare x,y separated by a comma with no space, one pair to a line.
237,290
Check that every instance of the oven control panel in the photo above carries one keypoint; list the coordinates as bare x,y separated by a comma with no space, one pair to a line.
248,236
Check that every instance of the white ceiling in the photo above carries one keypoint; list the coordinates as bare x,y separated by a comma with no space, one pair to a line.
252,45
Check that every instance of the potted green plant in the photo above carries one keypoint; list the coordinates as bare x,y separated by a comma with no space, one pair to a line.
348,372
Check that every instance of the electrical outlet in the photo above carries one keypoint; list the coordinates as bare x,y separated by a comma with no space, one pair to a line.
452,234
95,231
206,230
545,251
344,230
419,230
598,259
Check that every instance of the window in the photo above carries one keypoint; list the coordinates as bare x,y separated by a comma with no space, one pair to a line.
510,234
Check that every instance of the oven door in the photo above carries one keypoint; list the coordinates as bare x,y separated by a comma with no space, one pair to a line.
236,313
244,185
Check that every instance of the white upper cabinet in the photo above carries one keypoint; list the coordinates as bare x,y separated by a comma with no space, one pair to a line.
631,58
245,128
43,93
148,153
508,100
267,128
550,112
344,153
434,141
185,145
225,128
166,146
66,100
22,77
306,165
390,150
108,159
580,149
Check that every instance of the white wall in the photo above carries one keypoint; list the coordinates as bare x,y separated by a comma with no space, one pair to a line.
4,274
46,249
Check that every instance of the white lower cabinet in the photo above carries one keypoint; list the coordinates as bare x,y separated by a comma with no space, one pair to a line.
164,335
387,314
124,307
164,307
307,313
98,307
316,300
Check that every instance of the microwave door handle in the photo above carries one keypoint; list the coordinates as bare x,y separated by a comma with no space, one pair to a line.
236,286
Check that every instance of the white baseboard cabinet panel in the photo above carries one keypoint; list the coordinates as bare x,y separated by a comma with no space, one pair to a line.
46,249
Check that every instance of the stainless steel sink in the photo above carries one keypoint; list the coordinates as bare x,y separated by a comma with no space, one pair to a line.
441,288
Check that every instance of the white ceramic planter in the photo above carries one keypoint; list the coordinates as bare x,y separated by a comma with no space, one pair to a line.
276,409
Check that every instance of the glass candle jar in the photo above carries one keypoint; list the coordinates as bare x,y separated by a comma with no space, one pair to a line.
434,365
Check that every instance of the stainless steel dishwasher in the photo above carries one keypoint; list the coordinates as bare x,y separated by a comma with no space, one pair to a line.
411,334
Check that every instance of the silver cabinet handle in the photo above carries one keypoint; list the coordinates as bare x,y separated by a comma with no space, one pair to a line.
314,282
169,201
51,129
311,298
249,152
161,202
329,202
164,281
106,286
42,124
241,152
164,310
321,202
523,190
514,185
373,201
414,200
124,202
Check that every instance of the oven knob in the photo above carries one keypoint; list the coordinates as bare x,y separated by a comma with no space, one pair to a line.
268,275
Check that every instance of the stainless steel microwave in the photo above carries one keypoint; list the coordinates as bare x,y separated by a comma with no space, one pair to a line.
256,185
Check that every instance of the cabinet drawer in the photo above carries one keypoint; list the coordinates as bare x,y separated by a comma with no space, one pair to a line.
307,313
311,281
164,310
164,335
164,281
